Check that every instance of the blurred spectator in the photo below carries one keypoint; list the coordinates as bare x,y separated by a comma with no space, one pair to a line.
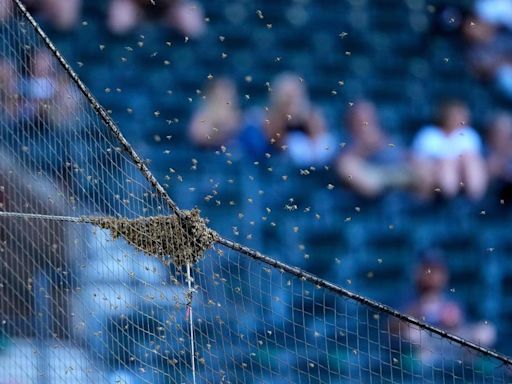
489,52
8,92
5,10
293,121
448,154
63,15
184,15
369,164
496,12
218,120
431,305
47,95
499,158
40,84
253,138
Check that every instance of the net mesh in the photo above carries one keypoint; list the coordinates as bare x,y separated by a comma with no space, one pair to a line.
101,281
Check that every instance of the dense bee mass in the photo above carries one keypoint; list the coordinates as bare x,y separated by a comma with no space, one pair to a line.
172,239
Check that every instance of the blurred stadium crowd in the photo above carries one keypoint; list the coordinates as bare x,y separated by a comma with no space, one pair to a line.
375,138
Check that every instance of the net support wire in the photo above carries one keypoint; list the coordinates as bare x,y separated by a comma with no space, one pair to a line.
190,296
21,215
219,239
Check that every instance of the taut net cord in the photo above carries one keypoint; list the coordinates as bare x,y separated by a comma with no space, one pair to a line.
104,280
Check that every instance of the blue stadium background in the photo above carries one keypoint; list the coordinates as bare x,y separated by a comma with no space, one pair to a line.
397,58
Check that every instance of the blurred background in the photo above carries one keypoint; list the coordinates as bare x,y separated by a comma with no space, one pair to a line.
368,142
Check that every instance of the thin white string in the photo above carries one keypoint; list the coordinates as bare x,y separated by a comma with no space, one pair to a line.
191,323
43,217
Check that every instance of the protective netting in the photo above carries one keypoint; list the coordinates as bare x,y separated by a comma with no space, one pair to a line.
82,299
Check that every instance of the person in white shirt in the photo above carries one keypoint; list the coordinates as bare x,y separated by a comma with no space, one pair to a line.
448,155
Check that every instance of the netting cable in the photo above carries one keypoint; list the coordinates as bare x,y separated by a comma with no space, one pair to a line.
301,274
22,215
